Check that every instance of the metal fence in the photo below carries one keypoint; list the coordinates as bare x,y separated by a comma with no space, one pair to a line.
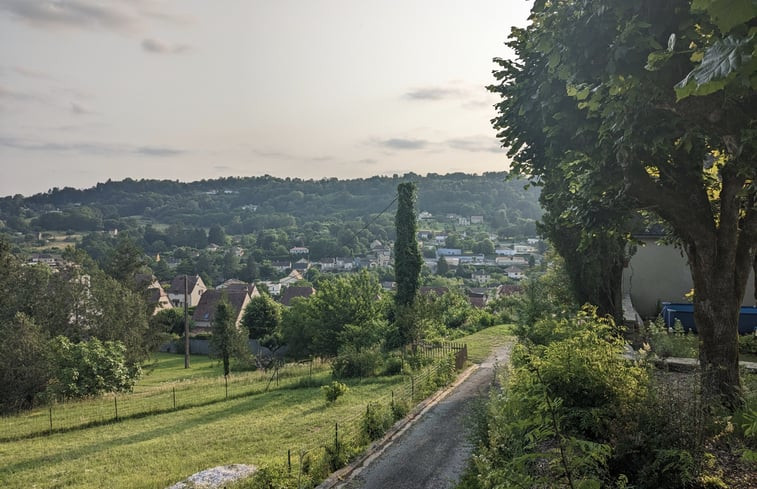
67,416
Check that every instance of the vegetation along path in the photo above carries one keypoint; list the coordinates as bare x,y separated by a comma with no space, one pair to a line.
433,451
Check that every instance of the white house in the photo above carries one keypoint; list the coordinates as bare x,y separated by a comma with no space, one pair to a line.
514,273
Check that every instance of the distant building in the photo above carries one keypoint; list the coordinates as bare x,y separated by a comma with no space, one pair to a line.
291,293
195,289
449,252
206,308
476,219
515,273
299,250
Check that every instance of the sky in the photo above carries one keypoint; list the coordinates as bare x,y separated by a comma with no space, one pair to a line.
192,89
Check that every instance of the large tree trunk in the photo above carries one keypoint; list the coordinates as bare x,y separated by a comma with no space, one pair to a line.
721,247
717,301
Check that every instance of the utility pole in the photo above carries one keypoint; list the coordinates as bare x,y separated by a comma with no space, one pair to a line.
186,325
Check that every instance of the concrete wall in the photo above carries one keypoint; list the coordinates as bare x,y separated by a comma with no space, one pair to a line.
660,273
202,347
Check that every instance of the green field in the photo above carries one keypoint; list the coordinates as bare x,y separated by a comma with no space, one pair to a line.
159,449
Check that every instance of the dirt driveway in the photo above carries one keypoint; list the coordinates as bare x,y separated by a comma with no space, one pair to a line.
433,451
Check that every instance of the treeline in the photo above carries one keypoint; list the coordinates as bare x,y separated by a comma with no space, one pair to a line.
246,205
71,333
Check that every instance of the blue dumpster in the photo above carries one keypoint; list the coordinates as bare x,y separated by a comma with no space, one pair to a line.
685,313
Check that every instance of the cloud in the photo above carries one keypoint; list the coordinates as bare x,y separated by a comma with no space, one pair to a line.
277,155
87,148
403,144
39,75
435,93
157,47
73,13
6,93
158,151
79,110
475,144
121,16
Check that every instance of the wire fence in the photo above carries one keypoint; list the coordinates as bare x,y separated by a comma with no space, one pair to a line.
66,416
185,394
333,442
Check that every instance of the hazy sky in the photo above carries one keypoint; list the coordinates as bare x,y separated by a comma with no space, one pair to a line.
192,89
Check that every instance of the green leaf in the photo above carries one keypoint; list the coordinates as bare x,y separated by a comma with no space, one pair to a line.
588,484
656,59
726,14
723,58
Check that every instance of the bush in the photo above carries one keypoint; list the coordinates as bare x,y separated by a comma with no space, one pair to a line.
399,409
268,477
357,363
673,342
376,420
748,344
334,391
394,365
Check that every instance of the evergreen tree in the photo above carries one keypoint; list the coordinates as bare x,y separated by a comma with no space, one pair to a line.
407,256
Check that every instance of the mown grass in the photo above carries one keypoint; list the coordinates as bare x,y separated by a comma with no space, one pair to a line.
160,449
481,343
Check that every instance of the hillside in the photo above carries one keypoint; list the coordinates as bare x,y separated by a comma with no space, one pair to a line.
244,205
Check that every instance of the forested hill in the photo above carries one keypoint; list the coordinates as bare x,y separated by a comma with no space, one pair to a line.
246,203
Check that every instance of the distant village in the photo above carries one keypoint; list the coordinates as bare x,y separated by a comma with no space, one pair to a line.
482,276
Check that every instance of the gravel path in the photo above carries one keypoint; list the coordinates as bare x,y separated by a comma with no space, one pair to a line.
433,452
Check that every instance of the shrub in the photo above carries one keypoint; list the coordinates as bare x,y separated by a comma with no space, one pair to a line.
399,409
376,420
268,477
334,391
673,342
352,362
393,365
748,344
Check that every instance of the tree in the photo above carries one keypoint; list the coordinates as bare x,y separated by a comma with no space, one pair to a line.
227,340
407,256
24,363
442,267
595,99
315,325
262,316
90,368
125,261
217,235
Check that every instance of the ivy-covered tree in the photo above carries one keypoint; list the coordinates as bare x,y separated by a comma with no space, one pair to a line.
648,105
407,256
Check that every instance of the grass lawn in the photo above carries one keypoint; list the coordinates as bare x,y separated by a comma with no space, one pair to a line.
160,449
480,344
169,367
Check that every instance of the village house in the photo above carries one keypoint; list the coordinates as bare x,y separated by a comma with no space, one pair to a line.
206,308
234,285
281,266
514,273
480,276
293,292
299,250
195,288
293,277
154,293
